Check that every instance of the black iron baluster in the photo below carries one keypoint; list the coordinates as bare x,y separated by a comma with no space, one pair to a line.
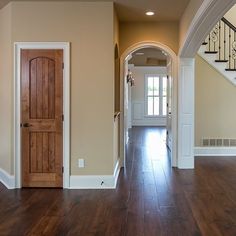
214,40
219,40
229,48
232,44
209,42
224,42
234,50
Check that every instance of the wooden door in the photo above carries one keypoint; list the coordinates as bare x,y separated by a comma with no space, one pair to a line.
42,118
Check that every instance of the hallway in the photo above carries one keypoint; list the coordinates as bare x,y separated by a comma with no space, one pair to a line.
151,199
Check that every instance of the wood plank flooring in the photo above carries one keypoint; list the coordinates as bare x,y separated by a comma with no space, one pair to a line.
151,199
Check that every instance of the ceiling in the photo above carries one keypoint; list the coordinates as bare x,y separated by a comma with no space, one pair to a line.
134,10
148,57
165,10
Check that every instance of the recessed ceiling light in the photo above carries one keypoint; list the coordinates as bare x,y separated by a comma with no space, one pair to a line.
149,13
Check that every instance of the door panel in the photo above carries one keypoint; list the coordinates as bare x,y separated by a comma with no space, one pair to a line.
41,117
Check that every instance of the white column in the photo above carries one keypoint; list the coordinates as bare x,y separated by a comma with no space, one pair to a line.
186,113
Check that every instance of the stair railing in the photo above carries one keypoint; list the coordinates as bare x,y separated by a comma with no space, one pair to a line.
222,41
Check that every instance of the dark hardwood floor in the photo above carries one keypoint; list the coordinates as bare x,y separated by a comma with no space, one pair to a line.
151,199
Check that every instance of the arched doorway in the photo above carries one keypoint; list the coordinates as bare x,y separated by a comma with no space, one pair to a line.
173,72
202,23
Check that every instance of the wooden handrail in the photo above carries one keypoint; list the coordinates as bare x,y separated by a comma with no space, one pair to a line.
229,24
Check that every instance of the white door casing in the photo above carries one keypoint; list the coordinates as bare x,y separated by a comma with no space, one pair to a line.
168,109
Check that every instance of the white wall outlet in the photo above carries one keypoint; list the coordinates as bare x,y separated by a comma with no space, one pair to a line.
81,163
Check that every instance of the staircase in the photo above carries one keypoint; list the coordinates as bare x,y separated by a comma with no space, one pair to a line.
219,49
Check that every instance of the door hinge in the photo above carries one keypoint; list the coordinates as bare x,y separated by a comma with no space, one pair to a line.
62,117
167,104
62,169
63,65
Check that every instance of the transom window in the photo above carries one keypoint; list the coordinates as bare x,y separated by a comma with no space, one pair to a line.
156,95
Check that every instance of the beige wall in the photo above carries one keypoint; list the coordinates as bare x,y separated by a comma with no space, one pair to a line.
164,32
215,97
116,87
231,15
89,28
187,18
6,91
117,62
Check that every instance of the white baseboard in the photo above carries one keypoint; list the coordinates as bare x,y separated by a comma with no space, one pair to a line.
95,181
76,182
148,124
6,179
215,151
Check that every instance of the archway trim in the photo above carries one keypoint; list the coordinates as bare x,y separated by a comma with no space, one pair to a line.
174,69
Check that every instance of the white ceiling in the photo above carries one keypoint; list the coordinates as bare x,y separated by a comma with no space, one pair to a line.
134,10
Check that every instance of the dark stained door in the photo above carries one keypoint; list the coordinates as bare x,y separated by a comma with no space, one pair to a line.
42,118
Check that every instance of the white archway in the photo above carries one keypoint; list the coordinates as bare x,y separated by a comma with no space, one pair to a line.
209,13
174,69
204,20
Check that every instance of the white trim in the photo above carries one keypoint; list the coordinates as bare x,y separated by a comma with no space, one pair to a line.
123,58
204,20
150,122
6,179
65,46
186,113
215,151
95,181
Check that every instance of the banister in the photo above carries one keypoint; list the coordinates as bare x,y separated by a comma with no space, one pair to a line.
229,24
221,41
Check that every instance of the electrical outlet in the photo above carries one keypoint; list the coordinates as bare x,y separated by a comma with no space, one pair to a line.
81,163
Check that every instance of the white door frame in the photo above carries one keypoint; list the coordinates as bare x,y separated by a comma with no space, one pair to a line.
65,46
123,58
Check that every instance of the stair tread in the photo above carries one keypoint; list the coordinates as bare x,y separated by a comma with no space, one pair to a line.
221,60
211,52
230,69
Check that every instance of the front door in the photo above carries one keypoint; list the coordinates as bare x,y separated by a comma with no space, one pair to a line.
42,118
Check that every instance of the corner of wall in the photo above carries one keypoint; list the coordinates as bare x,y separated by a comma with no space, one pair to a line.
7,179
